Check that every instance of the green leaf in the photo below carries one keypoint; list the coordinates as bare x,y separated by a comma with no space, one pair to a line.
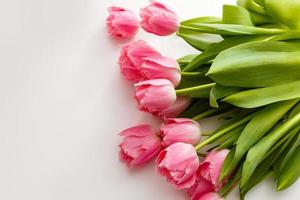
219,91
236,15
215,49
259,19
263,96
222,131
232,29
198,40
255,7
284,157
209,19
292,35
257,153
265,167
186,59
201,91
290,172
286,12
257,64
262,121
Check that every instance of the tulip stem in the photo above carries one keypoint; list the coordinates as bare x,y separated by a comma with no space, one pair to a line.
198,91
207,133
222,132
206,114
191,73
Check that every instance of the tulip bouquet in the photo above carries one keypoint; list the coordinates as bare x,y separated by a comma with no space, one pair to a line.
247,73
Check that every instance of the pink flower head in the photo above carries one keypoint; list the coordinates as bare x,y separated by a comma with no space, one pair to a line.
159,19
200,188
210,167
181,103
178,163
161,67
122,22
180,130
211,196
139,145
131,58
155,95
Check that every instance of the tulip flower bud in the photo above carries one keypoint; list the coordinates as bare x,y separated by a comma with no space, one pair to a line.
161,67
159,19
181,103
210,167
178,163
131,58
180,130
121,22
155,95
140,144
211,196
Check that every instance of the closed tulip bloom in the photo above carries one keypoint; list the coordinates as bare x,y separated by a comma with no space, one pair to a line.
155,95
210,167
161,67
159,19
140,144
200,188
178,163
211,196
181,103
121,22
131,58
180,130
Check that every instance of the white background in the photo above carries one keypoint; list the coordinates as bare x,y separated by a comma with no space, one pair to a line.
62,103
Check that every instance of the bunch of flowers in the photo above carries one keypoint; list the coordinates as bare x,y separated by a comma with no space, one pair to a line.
247,73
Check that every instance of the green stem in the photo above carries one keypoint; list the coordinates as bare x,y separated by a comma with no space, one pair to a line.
206,113
207,133
191,73
188,28
205,87
222,132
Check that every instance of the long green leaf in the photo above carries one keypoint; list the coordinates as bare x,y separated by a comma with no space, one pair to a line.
263,96
257,64
232,29
215,49
290,172
209,19
257,127
219,91
286,12
236,15
196,39
262,169
257,153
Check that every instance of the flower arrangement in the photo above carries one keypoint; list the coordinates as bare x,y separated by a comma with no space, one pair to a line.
247,73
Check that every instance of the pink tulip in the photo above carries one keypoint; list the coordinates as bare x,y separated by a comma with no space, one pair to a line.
161,67
200,188
121,22
175,109
155,95
211,166
178,163
211,196
180,130
140,144
159,19
131,58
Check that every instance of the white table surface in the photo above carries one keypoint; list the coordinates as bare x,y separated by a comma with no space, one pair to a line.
63,101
